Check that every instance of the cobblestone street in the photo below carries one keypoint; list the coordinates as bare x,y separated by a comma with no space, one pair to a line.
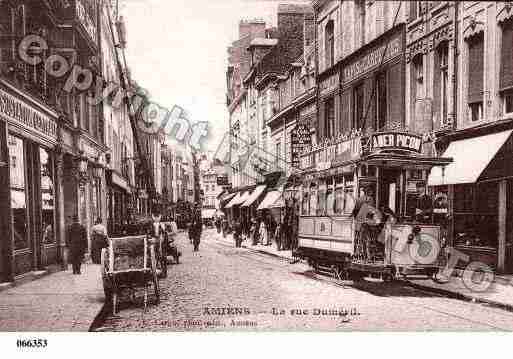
251,284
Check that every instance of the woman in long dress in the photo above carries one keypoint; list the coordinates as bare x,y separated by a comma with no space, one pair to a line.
263,233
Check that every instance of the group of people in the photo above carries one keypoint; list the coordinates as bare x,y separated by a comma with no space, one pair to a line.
263,230
76,238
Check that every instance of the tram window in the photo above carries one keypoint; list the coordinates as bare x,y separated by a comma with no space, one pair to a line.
339,200
305,210
321,202
313,202
330,202
349,200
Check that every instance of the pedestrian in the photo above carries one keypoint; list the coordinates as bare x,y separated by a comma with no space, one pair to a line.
237,233
263,233
99,240
76,241
224,225
278,236
268,229
197,228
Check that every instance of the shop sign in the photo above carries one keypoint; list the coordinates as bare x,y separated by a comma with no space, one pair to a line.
335,153
348,150
300,137
372,59
387,141
222,180
85,20
23,114
328,84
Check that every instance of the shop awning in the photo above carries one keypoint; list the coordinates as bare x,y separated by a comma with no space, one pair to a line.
227,196
243,198
233,201
273,199
253,196
470,158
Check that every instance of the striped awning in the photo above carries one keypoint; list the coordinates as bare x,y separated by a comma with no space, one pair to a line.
273,199
253,196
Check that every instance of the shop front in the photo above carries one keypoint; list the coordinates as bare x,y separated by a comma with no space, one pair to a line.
118,202
30,240
477,188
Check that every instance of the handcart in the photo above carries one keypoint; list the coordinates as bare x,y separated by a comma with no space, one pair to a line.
128,263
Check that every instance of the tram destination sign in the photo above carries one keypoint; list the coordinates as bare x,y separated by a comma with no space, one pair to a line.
393,141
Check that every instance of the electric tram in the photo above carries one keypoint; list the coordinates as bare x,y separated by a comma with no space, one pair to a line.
366,210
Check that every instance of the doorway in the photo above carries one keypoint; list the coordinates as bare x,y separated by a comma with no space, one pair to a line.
389,189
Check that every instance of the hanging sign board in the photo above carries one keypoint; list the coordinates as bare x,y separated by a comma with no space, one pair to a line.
300,137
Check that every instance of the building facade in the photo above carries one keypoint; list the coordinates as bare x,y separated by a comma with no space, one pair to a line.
480,54
53,144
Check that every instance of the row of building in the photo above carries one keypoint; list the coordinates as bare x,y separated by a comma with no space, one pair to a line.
61,155
335,70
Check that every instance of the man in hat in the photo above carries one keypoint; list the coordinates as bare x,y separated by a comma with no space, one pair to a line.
76,241
196,228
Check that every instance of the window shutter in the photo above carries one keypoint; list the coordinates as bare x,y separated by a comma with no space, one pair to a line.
345,104
506,70
320,123
475,69
395,95
369,107
437,89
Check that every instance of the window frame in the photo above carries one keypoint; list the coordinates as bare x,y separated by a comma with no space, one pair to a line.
329,43
329,117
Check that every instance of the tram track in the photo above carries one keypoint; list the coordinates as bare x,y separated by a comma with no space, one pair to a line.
274,262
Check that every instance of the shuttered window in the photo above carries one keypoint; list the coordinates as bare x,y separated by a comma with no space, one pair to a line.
345,103
358,107
506,74
329,110
475,69
381,101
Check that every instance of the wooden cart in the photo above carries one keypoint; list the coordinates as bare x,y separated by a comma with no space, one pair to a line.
128,263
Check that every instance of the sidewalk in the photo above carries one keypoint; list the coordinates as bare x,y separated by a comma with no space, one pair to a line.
499,294
270,250
57,302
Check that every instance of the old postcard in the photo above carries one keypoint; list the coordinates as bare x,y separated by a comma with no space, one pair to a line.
250,166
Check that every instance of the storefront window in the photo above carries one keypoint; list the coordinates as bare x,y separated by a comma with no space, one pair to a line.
476,215
47,196
18,193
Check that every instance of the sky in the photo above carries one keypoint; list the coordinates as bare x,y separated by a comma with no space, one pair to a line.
177,50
